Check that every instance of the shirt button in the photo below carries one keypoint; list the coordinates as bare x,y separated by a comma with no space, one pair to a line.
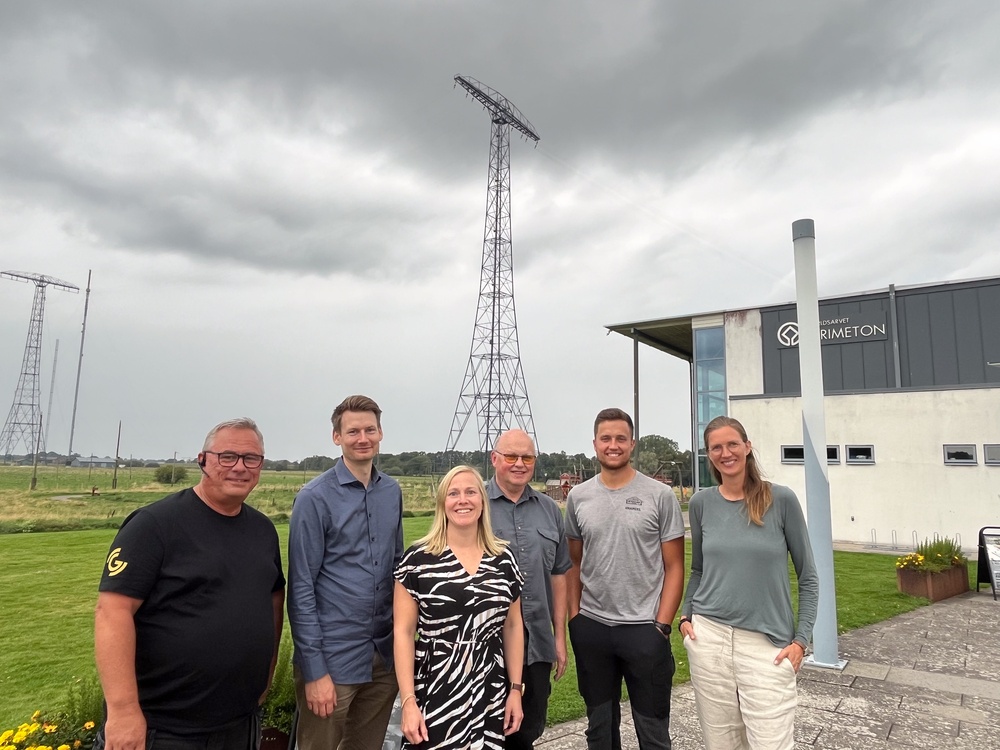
376,562
373,539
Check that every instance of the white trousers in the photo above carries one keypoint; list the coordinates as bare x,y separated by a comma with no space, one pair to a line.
744,700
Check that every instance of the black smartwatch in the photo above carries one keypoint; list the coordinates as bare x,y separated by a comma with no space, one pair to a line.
663,627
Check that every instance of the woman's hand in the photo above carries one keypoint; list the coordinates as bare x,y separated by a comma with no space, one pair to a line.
686,629
794,653
412,723
513,713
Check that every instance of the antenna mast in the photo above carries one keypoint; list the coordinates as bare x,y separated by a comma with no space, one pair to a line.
494,387
24,422
79,367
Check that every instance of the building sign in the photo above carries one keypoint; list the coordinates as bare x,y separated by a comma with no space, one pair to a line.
843,329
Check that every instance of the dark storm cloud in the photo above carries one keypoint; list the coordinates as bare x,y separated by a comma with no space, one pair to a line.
651,87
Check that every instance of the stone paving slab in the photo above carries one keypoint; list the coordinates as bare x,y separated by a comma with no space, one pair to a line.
924,679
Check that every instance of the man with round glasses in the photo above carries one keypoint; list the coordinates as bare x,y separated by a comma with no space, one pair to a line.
189,613
532,525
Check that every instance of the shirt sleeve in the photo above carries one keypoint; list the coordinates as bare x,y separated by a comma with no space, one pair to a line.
407,572
572,525
306,547
797,540
671,520
133,564
562,562
517,580
694,579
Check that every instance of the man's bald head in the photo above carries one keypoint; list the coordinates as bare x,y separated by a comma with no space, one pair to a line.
514,475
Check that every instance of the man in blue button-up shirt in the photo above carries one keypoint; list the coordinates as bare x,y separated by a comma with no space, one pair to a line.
345,538
532,525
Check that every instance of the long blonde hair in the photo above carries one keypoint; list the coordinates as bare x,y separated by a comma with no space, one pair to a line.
756,490
437,538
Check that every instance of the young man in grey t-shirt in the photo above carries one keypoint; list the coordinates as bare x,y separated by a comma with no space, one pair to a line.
626,543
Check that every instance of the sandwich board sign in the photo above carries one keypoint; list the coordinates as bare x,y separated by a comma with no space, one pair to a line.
989,558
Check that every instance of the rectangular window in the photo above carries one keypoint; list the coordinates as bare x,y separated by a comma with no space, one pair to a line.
795,454
860,454
960,454
991,454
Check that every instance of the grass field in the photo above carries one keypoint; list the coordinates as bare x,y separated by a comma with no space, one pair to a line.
49,585
63,501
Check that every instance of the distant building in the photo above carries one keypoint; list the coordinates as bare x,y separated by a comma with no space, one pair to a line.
93,463
912,382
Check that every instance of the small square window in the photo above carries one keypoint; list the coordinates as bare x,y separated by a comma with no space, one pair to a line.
860,454
793,454
960,454
991,454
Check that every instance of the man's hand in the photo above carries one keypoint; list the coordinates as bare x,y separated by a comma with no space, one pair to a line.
125,729
321,696
560,665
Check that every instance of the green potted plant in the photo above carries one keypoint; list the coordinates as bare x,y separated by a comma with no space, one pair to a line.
935,570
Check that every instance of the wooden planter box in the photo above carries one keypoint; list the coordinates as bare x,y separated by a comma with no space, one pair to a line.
933,586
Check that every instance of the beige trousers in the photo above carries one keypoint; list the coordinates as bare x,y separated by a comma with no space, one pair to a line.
360,718
744,700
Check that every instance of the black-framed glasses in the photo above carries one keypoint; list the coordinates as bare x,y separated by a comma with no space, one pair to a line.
511,458
229,459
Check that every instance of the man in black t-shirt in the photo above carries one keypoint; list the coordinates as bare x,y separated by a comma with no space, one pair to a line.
189,613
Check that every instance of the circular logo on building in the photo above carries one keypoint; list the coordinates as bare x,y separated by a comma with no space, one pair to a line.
788,334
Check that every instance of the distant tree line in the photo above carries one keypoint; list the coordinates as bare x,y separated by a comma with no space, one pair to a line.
657,456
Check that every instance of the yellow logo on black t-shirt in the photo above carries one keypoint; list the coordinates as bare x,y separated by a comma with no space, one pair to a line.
115,566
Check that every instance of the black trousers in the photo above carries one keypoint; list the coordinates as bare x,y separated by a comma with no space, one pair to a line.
244,735
535,703
639,654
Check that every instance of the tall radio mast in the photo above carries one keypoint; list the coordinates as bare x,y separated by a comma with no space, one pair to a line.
24,422
494,387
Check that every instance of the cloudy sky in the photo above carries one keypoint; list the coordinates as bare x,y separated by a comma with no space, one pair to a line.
283,203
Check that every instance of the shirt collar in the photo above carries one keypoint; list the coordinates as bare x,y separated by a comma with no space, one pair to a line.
493,492
344,475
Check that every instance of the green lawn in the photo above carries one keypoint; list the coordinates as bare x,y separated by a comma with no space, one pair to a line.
49,585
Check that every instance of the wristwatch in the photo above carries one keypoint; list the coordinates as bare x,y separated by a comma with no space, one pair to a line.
663,627
518,686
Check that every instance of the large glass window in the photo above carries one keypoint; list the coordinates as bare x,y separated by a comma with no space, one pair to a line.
710,388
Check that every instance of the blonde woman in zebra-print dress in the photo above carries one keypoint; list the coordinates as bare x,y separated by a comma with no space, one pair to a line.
458,590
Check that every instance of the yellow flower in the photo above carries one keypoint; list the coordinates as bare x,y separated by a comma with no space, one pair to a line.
88,725
35,716
63,747
77,744
50,728
6,736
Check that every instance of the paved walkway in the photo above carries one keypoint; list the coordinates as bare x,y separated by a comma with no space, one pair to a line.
925,679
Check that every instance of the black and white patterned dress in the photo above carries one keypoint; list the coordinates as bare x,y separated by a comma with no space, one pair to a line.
459,677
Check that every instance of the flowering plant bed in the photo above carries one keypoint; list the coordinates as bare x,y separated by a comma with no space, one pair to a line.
936,570
40,733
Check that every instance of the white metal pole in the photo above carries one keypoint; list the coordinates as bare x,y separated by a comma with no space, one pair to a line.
825,650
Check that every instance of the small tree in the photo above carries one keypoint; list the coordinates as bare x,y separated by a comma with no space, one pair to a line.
171,474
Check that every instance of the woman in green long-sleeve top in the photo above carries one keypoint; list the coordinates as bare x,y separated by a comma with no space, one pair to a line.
744,643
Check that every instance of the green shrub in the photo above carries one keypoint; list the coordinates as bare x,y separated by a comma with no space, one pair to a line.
280,704
933,556
171,474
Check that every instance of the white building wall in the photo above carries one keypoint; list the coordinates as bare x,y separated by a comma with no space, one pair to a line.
744,362
909,490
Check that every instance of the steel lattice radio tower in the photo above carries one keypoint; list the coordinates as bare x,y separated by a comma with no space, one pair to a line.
24,423
494,386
